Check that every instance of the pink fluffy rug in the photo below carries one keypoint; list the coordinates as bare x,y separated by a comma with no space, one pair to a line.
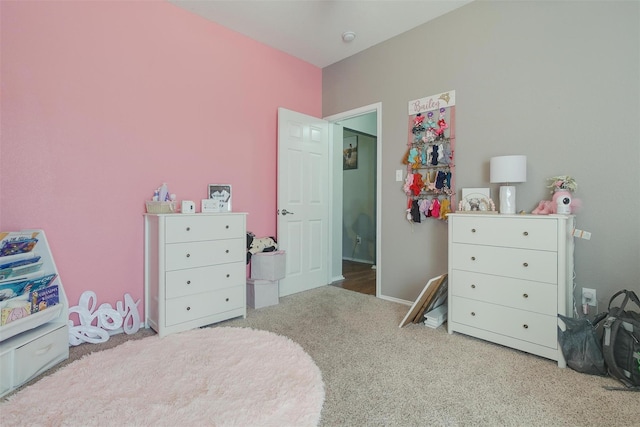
205,377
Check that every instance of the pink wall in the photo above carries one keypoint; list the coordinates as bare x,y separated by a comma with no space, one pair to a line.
104,101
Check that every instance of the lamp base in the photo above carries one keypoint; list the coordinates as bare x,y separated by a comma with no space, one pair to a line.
507,199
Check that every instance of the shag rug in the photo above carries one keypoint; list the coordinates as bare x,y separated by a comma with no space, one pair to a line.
206,377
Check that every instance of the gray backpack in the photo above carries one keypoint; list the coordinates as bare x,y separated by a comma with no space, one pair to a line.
621,341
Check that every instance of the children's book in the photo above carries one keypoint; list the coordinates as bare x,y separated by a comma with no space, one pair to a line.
15,243
10,290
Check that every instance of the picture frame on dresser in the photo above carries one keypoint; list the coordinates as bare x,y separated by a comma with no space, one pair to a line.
476,200
222,194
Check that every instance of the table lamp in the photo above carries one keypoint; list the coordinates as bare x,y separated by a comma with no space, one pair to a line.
508,170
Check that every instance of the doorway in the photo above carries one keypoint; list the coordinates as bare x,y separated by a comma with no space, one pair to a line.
358,277
355,236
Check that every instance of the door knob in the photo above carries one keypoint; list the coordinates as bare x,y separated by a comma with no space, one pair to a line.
284,212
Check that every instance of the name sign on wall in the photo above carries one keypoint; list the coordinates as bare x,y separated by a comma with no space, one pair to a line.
433,102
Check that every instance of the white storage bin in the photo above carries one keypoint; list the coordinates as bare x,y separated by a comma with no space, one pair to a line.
262,293
268,265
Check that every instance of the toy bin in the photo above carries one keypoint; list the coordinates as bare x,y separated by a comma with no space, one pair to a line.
161,207
262,293
268,265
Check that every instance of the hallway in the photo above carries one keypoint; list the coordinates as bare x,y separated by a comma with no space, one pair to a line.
358,277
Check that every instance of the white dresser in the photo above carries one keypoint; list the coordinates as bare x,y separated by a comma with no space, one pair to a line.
509,277
195,270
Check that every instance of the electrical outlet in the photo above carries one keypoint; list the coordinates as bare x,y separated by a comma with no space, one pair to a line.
399,175
589,297
358,240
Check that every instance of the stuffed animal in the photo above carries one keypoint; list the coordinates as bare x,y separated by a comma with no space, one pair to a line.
261,244
546,207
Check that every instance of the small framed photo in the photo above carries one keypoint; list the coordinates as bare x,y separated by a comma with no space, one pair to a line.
221,194
350,153
476,200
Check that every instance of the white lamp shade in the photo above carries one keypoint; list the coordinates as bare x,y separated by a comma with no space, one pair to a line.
508,169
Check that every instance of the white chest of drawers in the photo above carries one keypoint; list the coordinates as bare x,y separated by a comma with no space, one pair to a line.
509,277
195,270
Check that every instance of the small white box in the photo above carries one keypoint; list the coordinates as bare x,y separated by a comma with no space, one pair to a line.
436,317
262,293
188,206
268,265
209,205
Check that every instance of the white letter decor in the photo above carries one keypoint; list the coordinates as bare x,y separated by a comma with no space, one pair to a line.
97,325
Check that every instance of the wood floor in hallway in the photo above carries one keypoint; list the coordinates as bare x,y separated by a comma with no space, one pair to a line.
358,277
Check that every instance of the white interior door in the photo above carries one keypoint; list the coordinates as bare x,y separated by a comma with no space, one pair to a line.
303,200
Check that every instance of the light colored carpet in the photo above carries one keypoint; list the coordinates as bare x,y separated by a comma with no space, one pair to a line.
377,374
213,376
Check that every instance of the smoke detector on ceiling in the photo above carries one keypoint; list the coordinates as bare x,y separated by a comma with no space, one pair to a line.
348,36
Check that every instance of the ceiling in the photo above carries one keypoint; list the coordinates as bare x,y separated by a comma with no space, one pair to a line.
312,30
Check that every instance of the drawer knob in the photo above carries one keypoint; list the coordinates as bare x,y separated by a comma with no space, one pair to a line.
526,264
188,308
227,251
526,233
473,258
473,286
473,230
188,282
188,255
473,313
188,228
525,295
227,227
227,299
525,326
228,275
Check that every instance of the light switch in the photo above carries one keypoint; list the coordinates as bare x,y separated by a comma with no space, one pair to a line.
399,175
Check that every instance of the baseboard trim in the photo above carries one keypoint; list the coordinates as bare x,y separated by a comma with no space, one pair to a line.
363,261
337,279
392,299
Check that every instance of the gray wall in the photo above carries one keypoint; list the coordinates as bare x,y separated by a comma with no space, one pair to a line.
557,81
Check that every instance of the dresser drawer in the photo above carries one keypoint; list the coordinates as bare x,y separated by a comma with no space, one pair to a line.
526,233
192,307
180,283
539,266
515,293
200,254
41,353
6,372
523,325
195,228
